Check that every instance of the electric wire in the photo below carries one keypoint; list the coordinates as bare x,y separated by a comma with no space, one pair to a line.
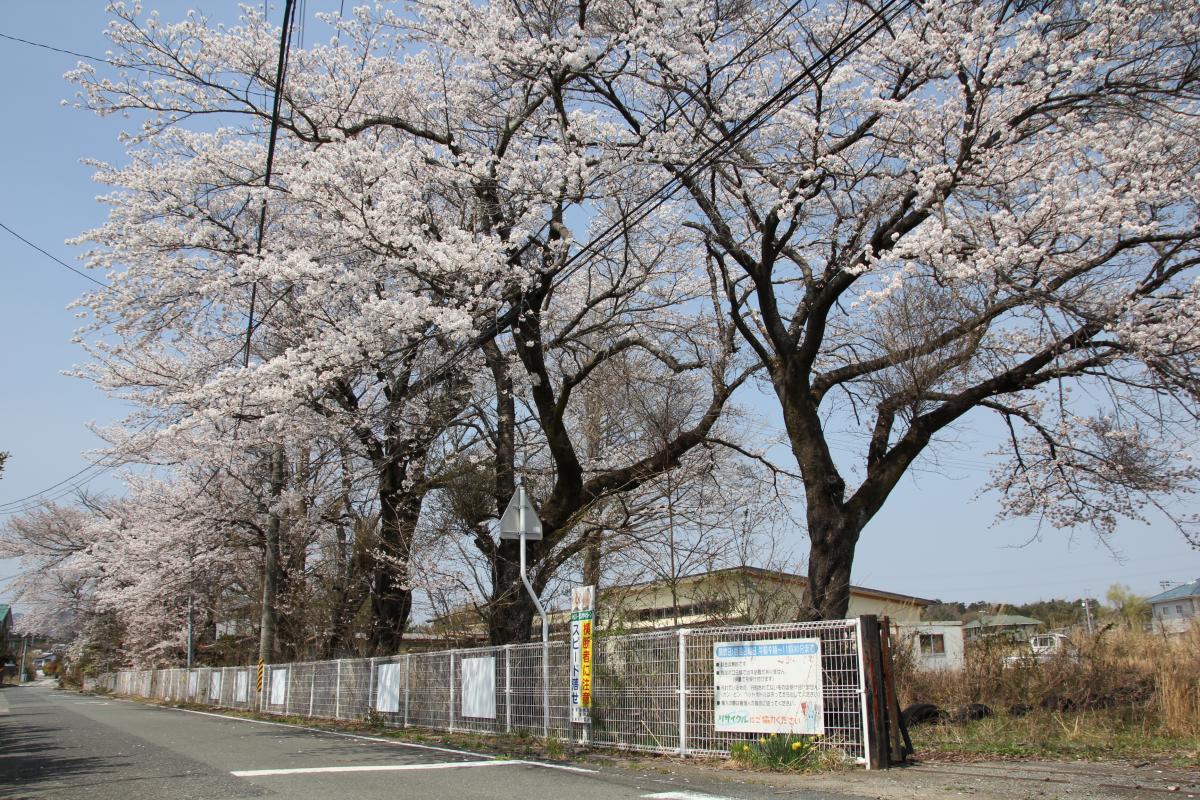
54,258
64,51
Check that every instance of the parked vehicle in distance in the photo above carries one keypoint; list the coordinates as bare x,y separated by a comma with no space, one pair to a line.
1044,647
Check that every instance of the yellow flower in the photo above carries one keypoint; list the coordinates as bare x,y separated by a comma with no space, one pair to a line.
761,740
796,745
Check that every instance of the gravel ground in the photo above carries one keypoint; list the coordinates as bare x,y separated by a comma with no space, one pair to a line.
1002,780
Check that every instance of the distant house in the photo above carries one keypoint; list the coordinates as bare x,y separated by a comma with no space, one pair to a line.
1175,610
933,646
1012,627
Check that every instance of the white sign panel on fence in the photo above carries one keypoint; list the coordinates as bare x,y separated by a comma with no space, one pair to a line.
479,687
768,686
387,691
214,686
193,683
241,687
279,686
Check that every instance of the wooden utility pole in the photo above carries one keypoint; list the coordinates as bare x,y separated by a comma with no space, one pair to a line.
269,625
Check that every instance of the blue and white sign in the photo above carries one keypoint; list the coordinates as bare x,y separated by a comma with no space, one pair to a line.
768,686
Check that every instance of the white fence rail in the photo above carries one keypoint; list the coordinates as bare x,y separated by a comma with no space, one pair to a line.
651,691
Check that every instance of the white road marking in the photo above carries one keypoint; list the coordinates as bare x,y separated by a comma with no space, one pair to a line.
396,742
360,737
685,796
495,762
262,773
3,705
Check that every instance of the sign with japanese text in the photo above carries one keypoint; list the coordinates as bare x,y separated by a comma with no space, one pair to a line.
583,617
768,686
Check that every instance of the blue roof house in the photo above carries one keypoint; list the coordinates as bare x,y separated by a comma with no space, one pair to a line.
1177,609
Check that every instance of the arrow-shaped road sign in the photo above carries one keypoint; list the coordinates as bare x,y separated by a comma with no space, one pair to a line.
520,517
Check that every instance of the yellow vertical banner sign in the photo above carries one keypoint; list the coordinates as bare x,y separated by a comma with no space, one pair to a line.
261,670
583,618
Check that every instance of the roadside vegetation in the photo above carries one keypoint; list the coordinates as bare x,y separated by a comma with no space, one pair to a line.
1114,694
786,753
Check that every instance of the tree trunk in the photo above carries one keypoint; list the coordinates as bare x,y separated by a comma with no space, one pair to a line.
830,558
510,612
269,625
391,596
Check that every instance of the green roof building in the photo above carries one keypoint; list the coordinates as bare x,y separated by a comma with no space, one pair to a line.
1008,626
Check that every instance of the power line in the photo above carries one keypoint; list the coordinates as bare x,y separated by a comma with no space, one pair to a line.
285,40
24,501
751,123
84,56
101,60
54,258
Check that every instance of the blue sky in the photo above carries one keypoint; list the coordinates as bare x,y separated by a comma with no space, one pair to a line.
933,538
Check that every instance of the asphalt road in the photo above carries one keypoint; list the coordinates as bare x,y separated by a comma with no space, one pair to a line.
57,744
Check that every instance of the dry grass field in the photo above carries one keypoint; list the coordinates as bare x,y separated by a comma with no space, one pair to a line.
1118,694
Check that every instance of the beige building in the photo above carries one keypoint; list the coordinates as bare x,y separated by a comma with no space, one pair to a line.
735,596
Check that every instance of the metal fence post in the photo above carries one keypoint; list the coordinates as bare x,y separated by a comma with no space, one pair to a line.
337,692
407,684
683,748
452,691
370,683
312,688
508,688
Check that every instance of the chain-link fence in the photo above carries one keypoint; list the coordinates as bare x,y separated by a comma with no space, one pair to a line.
650,691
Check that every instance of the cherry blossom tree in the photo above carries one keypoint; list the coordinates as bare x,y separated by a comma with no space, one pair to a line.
968,207
414,246
987,208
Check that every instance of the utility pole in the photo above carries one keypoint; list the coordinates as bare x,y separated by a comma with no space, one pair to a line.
22,674
189,629
269,624
1087,610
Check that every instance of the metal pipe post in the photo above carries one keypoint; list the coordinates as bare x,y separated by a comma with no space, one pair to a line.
545,641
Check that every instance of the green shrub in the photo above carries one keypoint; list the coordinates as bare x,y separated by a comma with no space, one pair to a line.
786,753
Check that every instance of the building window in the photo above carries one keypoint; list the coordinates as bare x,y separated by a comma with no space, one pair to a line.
1179,610
932,644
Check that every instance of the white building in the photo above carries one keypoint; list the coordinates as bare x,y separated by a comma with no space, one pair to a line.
934,645
1175,610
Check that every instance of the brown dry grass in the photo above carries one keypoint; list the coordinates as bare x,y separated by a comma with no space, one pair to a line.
1140,684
